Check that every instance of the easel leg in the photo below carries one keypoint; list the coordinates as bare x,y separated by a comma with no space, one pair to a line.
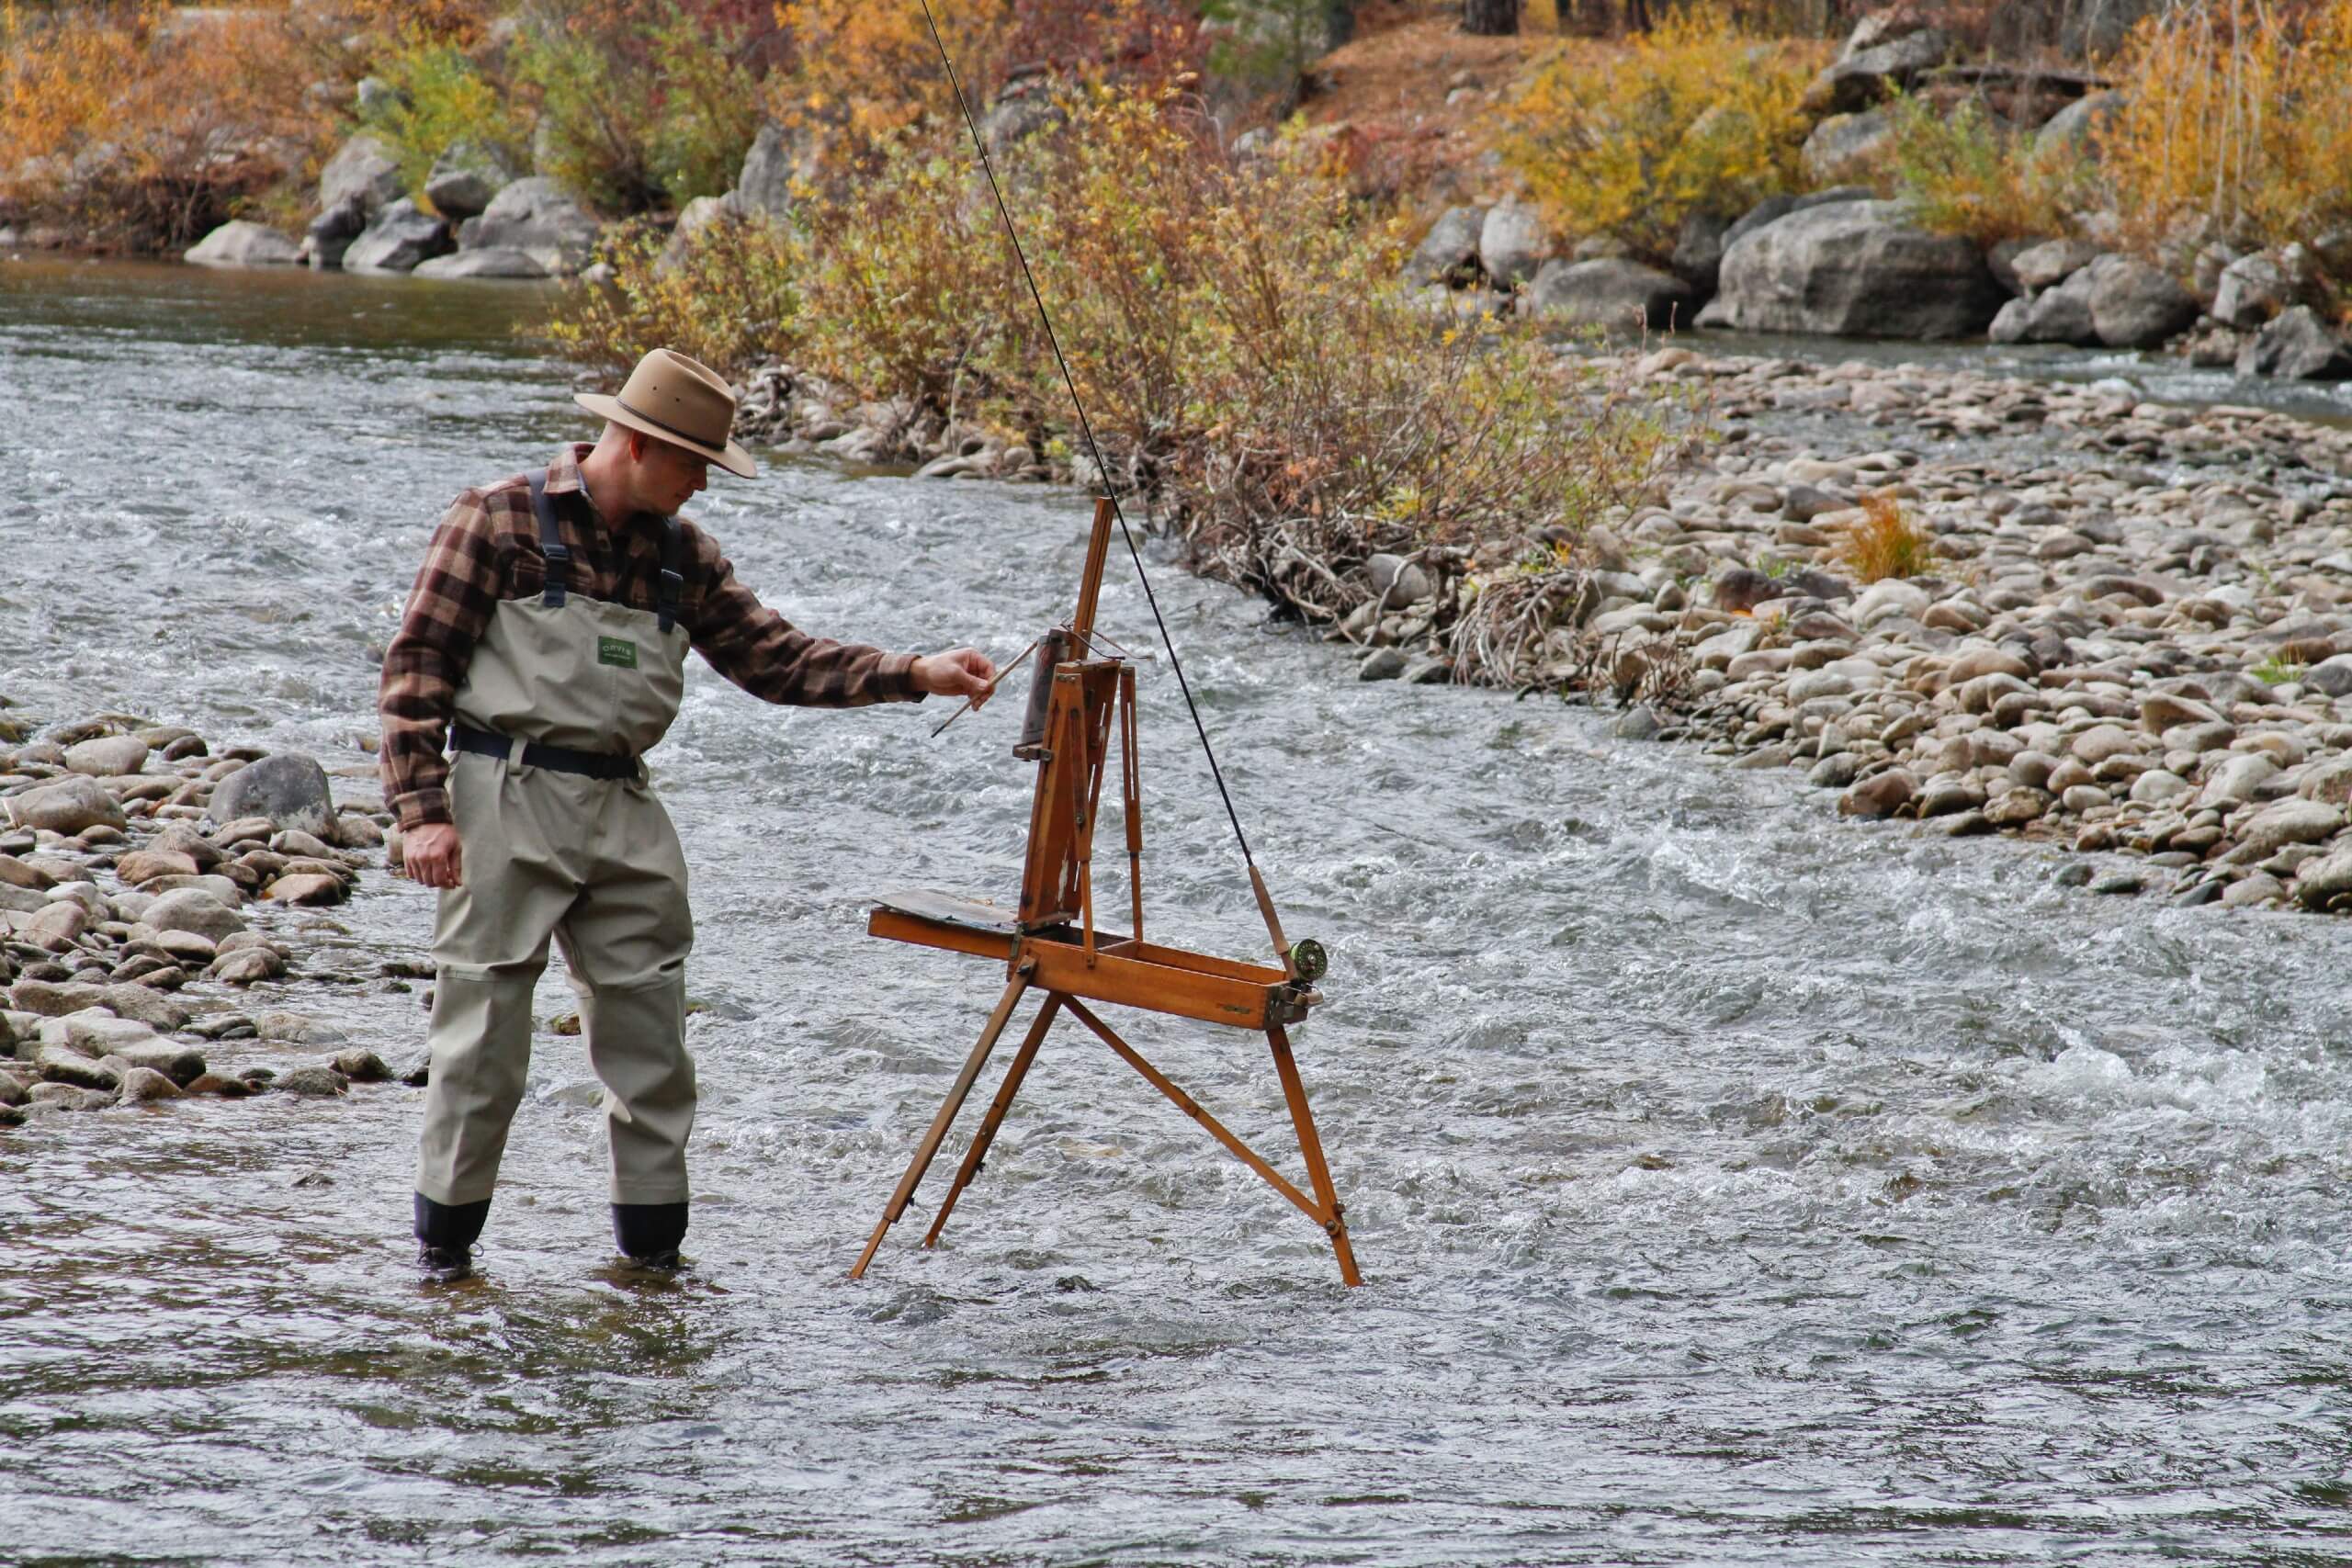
939,1124
978,1152
1311,1146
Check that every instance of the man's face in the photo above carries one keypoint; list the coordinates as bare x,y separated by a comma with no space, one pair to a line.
667,475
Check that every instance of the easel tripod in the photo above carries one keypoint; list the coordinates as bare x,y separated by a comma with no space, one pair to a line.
1079,697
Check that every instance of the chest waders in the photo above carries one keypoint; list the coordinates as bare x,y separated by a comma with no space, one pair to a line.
561,836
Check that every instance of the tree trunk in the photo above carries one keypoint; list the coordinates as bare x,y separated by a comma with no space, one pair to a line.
1490,18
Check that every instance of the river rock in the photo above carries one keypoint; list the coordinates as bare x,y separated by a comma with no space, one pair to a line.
145,866
294,1029
144,1004
2133,304
1699,252
496,261
1449,253
240,242
1847,145
2299,346
1880,794
289,789
2234,782
361,1066
1512,243
2160,711
465,178
63,1064
1615,293
65,805
2158,787
14,872
538,217
69,1096
315,1081
181,1064
400,236
307,888
97,1033
2325,883
248,965
2284,822
1382,665
1397,582
194,909
48,998
55,927
1855,269
143,1085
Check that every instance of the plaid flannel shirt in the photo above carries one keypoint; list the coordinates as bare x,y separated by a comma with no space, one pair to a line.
487,550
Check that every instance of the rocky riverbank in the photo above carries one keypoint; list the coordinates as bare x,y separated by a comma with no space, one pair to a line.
2130,631
161,905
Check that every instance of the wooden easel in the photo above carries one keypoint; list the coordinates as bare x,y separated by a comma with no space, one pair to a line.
1080,696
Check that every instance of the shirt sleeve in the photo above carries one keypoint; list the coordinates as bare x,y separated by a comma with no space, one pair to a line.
457,590
777,662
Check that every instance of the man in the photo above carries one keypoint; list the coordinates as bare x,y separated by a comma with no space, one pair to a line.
545,638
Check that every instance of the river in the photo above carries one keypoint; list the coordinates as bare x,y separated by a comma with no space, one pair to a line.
1733,1184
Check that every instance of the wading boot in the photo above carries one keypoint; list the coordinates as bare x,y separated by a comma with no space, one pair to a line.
446,1233
649,1234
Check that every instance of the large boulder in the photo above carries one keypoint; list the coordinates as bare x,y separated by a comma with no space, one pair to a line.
2299,347
1846,145
402,236
1512,243
1699,252
241,244
2056,315
2252,290
2051,262
1876,71
331,231
777,159
290,788
1615,293
2073,130
539,217
363,172
499,261
2133,304
464,179
65,806
1854,269
1449,252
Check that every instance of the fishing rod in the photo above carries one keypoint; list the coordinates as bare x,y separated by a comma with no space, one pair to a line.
1086,430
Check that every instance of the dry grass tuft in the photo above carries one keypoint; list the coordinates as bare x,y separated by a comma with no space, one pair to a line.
1883,542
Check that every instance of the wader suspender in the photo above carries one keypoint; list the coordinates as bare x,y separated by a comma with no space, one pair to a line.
558,556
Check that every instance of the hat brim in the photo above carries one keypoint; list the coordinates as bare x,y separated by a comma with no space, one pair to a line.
731,457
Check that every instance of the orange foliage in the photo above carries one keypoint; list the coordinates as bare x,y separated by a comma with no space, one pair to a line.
1882,542
141,126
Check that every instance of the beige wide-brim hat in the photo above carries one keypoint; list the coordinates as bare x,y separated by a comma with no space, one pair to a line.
673,399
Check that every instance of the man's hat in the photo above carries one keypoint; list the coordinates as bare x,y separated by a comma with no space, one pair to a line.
672,399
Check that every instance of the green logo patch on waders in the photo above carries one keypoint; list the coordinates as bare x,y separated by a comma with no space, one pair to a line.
616,650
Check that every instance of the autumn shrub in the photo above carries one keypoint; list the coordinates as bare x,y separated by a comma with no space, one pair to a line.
139,127
1883,542
729,298
2235,120
1965,172
642,104
437,95
1630,139
1244,353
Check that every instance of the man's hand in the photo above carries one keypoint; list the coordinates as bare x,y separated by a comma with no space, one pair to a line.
430,854
958,673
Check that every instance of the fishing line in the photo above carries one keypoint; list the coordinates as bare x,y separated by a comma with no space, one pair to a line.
1086,428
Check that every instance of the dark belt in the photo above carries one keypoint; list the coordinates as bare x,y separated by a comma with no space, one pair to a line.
563,759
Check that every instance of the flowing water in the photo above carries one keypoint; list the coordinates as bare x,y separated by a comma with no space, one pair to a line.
1733,1184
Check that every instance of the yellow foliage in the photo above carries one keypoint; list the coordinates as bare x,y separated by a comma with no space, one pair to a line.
1883,542
1963,173
2246,131
866,69
1630,138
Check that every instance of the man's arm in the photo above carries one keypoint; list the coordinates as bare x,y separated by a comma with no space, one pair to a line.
777,661
457,590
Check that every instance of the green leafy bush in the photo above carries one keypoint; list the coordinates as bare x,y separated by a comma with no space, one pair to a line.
438,97
1963,173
